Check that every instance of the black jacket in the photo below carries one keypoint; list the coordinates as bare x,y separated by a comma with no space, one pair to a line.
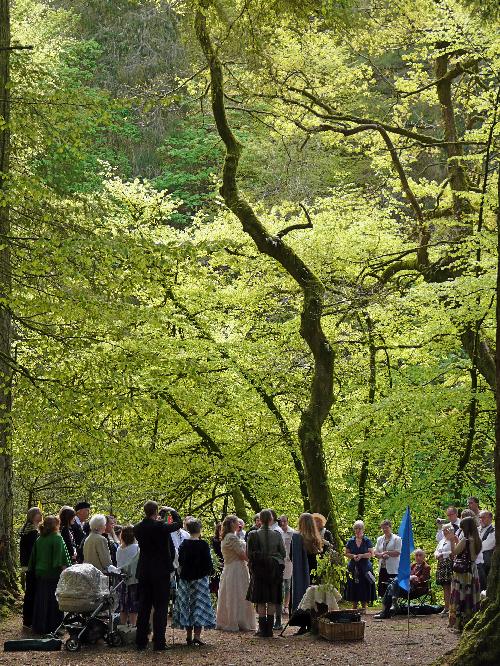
69,540
26,543
195,560
80,532
156,558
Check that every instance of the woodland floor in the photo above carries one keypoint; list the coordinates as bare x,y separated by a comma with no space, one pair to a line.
385,644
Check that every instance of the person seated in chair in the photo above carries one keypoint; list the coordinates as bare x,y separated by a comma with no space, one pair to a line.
420,574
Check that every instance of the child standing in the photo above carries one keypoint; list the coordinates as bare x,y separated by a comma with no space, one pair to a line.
193,607
127,557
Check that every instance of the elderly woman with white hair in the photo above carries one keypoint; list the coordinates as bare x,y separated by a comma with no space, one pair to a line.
360,587
95,547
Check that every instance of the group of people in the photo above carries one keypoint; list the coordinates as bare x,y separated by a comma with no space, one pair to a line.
463,553
249,572
256,575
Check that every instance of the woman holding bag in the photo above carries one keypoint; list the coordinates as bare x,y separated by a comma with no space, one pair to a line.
360,586
465,588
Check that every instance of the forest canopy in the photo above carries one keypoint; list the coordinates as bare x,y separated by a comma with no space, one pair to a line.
157,351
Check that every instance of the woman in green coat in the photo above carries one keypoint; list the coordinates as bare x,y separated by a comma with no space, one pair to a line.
48,558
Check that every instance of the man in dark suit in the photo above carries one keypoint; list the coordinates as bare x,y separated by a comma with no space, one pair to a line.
156,563
80,527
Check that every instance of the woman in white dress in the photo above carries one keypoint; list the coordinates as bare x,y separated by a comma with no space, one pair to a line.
234,612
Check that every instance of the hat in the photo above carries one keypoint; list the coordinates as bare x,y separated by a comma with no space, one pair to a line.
82,505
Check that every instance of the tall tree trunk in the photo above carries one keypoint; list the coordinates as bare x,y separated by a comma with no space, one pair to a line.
321,390
8,585
372,388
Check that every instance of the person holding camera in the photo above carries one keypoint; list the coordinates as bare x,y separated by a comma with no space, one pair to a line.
452,518
156,563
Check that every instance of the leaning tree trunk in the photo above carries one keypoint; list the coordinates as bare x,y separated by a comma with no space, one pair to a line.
8,586
479,644
321,390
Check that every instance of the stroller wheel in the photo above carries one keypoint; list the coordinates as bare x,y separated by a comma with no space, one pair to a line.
115,639
72,645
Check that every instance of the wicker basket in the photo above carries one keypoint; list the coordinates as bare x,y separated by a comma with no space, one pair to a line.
341,631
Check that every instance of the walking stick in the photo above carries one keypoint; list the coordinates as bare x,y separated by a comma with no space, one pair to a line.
408,614
284,628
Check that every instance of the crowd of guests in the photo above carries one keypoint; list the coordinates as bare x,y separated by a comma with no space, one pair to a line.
257,576
463,553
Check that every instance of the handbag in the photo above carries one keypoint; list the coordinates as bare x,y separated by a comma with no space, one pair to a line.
461,562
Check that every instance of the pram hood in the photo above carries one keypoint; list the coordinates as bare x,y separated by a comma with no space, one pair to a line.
82,581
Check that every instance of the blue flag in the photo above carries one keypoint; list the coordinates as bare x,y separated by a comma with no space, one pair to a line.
406,534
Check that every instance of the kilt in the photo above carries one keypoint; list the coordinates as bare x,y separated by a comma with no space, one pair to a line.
266,582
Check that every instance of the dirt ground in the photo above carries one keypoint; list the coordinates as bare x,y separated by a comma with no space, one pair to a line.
386,643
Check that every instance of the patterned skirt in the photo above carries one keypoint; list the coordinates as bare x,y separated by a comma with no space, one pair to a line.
444,571
193,606
465,597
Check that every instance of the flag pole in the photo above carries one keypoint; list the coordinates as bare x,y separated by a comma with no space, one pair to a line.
408,615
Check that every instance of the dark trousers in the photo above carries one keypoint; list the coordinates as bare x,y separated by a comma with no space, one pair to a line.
483,576
153,593
29,598
393,590
384,579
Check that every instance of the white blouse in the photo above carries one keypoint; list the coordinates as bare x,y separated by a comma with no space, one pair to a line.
443,548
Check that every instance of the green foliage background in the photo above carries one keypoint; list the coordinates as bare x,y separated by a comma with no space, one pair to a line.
145,320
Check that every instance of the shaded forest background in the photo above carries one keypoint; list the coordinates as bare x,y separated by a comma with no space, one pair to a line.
157,353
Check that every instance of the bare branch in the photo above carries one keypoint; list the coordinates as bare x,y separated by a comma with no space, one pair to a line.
294,227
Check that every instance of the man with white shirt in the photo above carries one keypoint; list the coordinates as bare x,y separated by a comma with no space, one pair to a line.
487,534
387,551
178,536
453,518
275,525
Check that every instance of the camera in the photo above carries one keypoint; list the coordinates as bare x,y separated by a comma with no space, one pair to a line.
441,521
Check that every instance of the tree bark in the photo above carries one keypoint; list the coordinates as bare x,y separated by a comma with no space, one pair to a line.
8,584
321,390
372,388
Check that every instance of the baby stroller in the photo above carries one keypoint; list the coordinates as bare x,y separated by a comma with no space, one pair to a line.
88,599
